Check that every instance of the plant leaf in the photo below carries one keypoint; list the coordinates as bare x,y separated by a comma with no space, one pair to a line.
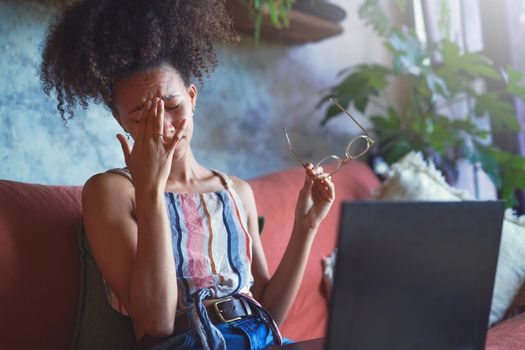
489,163
356,88
274,15
501,111
374,16
397,151
331,112
472,64
514,80
409,54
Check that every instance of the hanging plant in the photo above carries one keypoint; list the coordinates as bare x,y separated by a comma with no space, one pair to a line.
277,10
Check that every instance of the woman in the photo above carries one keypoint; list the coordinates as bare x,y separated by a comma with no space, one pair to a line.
177,243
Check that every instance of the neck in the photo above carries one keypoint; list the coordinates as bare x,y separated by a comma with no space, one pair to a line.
185,171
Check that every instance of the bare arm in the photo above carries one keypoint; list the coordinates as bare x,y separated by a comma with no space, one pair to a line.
278,293
134,255
281,289
133,248
153,281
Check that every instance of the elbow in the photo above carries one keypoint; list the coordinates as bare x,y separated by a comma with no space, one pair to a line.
158,328
156,323
279,316
279,321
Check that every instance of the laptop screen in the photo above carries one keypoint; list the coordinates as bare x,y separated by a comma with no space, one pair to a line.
414,275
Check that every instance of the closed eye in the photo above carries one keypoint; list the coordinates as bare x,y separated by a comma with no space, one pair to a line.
171,108
134,117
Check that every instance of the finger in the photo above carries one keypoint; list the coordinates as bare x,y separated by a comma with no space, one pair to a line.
329,189
178,134
143,118
150,118
308,177
309,169
318,173
126,149
328,180
159,120
317,191
324,192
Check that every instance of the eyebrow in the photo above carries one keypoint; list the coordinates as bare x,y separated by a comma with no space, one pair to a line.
165,98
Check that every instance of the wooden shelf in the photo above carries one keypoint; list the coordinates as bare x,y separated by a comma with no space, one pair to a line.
303,27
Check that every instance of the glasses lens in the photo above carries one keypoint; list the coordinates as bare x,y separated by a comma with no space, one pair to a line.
358,146
330,164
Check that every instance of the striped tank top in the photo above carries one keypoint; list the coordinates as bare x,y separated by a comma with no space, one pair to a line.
211,245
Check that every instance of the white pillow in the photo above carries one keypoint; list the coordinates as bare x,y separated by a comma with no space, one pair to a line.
328,271
414,179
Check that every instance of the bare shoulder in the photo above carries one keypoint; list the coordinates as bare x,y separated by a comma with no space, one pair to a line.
107,197
245,192
243,188
107,186
106,180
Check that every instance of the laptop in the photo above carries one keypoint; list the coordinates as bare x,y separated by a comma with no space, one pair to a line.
414,275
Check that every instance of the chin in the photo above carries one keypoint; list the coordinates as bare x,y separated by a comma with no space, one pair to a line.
180,150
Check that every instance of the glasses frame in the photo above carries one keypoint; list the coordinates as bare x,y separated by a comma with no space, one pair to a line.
340,161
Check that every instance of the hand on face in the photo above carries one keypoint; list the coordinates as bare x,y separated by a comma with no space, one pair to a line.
150,159
315,198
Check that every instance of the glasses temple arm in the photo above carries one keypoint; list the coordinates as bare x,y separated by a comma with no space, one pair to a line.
291,148
348,114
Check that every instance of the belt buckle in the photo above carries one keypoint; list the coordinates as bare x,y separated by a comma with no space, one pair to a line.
219,312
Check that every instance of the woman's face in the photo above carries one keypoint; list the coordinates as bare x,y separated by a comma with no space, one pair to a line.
130,95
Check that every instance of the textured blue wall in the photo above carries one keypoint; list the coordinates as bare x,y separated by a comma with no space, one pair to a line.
242,108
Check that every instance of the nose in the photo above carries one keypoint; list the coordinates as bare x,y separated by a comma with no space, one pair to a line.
169,127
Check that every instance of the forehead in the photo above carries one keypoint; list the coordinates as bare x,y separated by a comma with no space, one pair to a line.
153,82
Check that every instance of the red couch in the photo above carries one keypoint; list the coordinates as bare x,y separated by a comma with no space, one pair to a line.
39,259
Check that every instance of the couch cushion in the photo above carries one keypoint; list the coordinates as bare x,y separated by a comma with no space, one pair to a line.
39,265
276,195
507,335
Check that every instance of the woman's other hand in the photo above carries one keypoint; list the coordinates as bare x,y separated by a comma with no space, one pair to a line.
149,161
315,199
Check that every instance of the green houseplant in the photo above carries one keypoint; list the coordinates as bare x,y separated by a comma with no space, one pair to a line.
277,10
424,121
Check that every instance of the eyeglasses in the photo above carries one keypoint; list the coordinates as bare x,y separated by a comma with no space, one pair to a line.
357,147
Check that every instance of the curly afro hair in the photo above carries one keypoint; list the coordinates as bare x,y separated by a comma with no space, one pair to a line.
95,42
